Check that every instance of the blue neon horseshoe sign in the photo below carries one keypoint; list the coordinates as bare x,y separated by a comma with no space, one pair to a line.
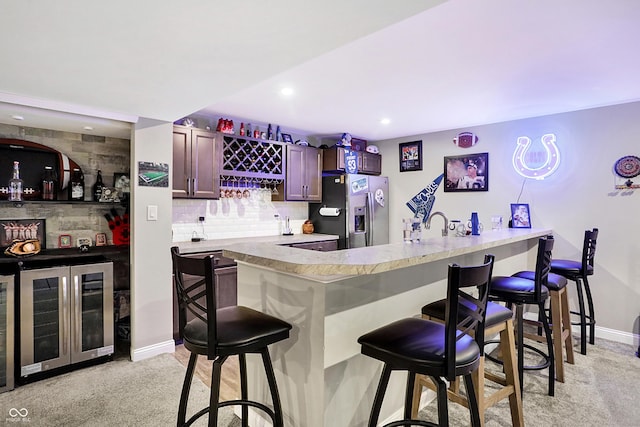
536,164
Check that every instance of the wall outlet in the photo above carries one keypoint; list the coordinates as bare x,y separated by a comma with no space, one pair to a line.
200,219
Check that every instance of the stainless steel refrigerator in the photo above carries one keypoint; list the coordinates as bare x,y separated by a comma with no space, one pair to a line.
354,207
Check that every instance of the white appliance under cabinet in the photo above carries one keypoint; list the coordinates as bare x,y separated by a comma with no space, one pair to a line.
66,316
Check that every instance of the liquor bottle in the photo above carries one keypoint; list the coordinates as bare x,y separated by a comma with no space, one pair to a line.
15,184
76,186
49,184
97,187
269,132
242,129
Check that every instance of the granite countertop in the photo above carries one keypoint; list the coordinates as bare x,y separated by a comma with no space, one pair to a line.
372,259
266,241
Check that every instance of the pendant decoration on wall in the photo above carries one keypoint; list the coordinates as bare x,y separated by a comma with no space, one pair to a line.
465,139
536,159
422,203
625,168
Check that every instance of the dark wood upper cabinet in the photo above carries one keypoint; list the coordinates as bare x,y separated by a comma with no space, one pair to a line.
304,174
196,163
368,163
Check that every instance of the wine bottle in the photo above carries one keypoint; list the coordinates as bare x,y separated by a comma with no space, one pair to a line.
15,184
49,184
97,187
76,186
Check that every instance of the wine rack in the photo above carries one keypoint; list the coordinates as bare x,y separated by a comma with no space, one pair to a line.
253,158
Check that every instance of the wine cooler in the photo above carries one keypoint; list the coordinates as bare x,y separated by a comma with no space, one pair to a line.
6,333
66,316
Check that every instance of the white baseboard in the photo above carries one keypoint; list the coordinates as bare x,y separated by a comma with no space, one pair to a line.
614,335
153,350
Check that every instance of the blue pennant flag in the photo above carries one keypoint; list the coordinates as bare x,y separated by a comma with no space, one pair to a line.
421,203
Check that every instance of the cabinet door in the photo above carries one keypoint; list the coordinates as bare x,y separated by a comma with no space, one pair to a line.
226,286
371,163
91,311
44,319
313,174
304,174
204,165
181,162
295,178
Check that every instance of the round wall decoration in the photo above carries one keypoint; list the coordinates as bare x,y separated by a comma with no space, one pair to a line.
627,166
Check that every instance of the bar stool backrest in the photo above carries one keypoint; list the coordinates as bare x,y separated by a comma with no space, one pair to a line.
543,265
195,286
461,278
589,251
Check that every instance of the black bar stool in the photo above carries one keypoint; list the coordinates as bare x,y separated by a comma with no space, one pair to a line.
498,320
435,349
519,291
220,333
578,271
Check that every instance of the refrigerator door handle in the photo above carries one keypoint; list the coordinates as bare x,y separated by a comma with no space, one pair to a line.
370,219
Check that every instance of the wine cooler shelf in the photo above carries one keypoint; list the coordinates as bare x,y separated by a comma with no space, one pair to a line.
253,158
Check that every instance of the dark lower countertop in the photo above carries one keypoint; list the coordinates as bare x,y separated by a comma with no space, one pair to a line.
56,257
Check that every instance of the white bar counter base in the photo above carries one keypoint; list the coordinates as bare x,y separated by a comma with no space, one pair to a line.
332,298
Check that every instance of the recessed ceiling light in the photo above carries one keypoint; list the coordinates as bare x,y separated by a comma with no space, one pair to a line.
87,128
286,91
17,117
385,121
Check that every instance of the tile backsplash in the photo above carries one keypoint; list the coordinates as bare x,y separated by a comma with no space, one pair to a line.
234,218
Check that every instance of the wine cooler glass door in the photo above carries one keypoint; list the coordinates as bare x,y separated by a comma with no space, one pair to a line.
92,316
44,324
6,333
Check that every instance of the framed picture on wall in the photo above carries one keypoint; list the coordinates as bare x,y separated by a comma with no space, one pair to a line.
466,173
22,229
410,156
520,217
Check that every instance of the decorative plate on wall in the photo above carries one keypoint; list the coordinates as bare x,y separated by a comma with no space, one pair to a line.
627,167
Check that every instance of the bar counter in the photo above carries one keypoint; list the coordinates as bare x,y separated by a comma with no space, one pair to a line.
332,298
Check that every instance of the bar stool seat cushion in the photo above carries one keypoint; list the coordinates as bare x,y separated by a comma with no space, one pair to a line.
516,290
418,345
496,313
244,330
569,267
555,282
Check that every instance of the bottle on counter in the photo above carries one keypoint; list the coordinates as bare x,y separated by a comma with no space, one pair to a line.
76,186
49,184
15,184
97,187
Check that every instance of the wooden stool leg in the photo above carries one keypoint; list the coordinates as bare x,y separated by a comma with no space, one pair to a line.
556,316
567,336
478,384
507,338
417,393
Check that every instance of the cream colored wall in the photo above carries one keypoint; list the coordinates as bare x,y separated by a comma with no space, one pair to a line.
151,284
580,195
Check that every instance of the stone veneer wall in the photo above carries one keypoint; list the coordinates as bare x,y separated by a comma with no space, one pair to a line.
110,155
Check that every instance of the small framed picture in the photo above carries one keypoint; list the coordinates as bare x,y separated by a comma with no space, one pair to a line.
466,173
520,217
410,156
287,138
101,239
83,241
64,241
121,182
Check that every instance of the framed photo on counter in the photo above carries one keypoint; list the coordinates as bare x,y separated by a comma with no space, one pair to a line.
520,217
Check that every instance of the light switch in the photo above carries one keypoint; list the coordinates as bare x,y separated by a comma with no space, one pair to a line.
152,213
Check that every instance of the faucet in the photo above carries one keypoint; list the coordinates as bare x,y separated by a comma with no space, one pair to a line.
445,230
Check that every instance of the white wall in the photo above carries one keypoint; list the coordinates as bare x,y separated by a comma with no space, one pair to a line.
151,282
579,196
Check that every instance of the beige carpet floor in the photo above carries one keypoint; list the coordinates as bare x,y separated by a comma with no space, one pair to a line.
118,393
601,389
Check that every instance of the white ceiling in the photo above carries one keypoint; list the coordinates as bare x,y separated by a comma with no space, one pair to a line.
425,65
